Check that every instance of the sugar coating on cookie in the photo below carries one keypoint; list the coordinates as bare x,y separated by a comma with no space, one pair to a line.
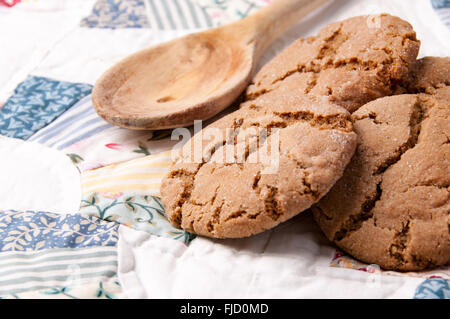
428,74
314,142
392,206
353,61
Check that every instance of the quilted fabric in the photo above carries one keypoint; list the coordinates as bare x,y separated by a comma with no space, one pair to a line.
116,241
78,123
55,254
168,14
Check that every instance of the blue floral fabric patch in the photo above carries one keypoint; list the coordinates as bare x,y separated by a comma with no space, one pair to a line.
438,4
442,8
144,213
36,102
434,288
25,231
117,14
155,14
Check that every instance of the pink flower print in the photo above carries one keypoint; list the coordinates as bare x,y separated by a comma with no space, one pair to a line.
215,15
111,195
113,146
338,254
9,3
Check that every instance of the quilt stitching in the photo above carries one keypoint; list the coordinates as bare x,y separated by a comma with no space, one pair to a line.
63,256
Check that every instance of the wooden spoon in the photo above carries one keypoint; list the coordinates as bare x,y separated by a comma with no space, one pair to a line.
193,77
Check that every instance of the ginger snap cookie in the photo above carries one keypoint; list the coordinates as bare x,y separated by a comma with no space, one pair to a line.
392,206
292,114
353,61
223,198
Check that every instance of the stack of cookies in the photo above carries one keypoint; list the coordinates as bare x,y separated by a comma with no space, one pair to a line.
360,130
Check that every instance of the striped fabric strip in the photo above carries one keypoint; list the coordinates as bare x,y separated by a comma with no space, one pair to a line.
142,176
169,14
25,271
76,124
106,288
176,15
13,259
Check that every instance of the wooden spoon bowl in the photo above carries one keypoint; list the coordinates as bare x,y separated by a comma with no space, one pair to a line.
193,77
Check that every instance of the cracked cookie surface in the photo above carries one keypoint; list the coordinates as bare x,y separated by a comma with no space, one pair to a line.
428,74
353,61
230,200
300,93
392,206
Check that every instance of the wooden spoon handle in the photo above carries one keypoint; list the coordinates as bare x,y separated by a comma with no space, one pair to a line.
267,24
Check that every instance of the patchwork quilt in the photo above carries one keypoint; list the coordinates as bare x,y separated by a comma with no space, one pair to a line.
80,215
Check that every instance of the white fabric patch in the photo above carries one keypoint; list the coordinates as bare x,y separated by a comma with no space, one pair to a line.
28,34
290,261
35,177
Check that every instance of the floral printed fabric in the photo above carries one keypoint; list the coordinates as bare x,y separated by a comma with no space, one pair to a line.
434,288
144,213
117,14
103,289
36,102
226,11
439,4
115,145
26,231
